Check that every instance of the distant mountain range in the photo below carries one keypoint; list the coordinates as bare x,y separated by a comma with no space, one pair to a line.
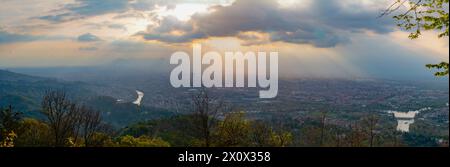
25,92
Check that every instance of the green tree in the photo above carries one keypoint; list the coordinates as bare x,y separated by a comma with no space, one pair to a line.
237,131
33,133
356,136
9,121
91,125
260,135
141,141
423,15
206,109
71,124
281,139
371,124
233,131
8,141
61,117
100,139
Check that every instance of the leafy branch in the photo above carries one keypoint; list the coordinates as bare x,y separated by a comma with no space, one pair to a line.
423,15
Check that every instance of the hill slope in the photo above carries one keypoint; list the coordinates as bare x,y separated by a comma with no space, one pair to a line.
25,92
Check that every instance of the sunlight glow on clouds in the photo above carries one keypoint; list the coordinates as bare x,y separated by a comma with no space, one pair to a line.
314,37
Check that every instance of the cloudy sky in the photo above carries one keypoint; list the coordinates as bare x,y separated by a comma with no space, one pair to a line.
315,38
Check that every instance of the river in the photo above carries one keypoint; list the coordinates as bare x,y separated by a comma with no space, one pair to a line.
139,98
405,119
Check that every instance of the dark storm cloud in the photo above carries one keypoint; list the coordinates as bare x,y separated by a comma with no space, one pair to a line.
318,38
57,17
352,17
163,32
85,8
88,37
97,7
8,37
324,23
171,23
